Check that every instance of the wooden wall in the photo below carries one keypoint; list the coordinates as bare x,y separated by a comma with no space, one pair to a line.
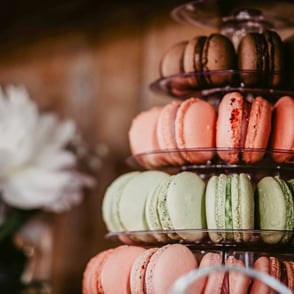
100,79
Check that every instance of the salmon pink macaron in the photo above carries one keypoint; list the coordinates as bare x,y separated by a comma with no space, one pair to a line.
195,130
220,282
166,133
155,270
143,137
242,125
283,130
268,265
109,271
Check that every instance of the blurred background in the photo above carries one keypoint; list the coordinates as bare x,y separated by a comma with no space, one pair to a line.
92,61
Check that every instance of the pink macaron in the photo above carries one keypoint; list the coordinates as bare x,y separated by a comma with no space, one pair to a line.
242,126
155,271
143,136
283,130
109,271
166,133
195,130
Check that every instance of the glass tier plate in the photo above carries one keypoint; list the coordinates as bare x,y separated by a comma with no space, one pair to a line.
214,84
214,13
265,166
257,240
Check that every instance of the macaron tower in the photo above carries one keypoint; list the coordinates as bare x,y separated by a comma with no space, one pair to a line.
213,182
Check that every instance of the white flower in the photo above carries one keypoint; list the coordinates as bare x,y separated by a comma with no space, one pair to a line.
36,171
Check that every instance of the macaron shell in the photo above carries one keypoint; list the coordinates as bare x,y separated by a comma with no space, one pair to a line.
133,199
143,137
110,209
258,130
242,199
137,276
238,282
151,210
271,209
261,264
215,206
218,54
214,282
166,133
283,129
115,274
195,128
172,61
91,277
166,265
185,205
208,259
261,52
229,125
192,61
289,266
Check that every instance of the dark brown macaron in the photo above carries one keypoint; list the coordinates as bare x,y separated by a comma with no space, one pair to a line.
205,55
261,54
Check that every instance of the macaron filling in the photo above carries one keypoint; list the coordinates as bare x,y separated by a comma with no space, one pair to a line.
228,206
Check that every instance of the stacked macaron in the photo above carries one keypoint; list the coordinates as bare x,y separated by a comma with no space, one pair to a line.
281,270
154,200
193,131
182,207
131,269
208,60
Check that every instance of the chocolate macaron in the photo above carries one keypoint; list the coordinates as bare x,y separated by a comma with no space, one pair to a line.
204,55
260,55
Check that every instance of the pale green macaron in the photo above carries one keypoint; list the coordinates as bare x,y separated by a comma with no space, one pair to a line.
133,198
178,204
110,209
275,209
229,202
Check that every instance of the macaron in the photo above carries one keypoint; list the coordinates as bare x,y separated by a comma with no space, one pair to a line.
242,126
220,282
166,133
110,209
109,271
262,54
143,138
229,203
205,54
275,209
283,130
133,198
268,265
91,276
178,204
195,130
288,277
171,62
165,266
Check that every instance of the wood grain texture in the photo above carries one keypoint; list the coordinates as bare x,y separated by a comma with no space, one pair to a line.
101,80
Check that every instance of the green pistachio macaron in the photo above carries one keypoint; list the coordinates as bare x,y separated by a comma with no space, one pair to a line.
229,202
110,209
178,204
275,209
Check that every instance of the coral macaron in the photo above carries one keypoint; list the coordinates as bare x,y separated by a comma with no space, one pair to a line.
283,130
195,129
164,266
142,135
109,271
242,125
